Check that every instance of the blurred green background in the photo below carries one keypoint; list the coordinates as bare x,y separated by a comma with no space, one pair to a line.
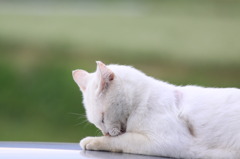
42,41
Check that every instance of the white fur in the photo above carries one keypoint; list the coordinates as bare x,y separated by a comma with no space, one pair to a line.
159,118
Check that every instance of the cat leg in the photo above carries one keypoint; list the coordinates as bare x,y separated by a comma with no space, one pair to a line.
127,143
136,143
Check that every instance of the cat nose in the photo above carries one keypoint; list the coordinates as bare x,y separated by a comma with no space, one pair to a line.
107,134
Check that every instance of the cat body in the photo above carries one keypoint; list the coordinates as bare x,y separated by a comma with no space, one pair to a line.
141,115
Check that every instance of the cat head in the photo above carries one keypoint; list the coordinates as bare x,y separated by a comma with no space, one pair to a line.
103,98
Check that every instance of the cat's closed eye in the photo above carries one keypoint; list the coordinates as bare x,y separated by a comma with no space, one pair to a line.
102,118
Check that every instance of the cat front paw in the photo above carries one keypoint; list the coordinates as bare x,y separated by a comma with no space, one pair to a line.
114,132
92,143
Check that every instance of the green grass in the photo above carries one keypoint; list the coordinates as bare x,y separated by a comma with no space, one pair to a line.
187,42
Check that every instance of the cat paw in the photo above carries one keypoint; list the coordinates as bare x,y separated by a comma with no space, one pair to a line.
114,132
91,143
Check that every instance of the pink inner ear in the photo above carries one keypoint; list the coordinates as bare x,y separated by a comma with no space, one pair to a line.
81,78
111,76
105,74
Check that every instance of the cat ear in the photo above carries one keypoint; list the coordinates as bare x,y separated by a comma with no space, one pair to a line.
81,78
105,75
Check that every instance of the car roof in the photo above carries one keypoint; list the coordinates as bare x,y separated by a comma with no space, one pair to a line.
46,150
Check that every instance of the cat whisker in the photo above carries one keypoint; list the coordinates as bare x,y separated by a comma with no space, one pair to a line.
80,116
82,122
98,132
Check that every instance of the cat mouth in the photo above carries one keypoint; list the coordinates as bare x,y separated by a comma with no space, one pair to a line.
123,130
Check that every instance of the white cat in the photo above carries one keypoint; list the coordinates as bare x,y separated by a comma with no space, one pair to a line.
141,115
